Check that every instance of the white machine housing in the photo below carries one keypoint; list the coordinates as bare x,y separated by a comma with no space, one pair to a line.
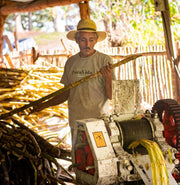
105,160
112,164
101,141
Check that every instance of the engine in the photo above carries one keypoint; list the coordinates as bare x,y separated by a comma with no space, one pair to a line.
101,153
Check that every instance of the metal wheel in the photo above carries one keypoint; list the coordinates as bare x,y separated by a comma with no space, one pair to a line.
169,114
168,110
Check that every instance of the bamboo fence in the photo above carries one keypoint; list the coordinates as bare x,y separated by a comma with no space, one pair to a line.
153,69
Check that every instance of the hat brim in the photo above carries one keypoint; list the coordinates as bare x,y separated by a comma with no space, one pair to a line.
101,34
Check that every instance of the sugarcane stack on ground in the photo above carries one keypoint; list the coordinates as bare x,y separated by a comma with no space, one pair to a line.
10,78
27,158
37,83
30,147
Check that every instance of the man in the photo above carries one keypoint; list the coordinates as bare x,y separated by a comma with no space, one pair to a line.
89,99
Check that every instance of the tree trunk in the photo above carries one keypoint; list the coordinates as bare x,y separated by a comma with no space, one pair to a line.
18,23
55,18
30,21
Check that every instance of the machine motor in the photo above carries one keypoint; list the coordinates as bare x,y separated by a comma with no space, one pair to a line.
100,153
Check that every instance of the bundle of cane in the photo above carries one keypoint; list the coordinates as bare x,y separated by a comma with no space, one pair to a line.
38,82
158,164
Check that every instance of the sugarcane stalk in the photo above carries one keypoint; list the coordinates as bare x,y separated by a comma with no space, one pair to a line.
158,164
17,110
4,167
35,143
35,172
45,145
50,158
56,179
21,145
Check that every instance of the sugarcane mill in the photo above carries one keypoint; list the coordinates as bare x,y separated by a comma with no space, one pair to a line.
129,146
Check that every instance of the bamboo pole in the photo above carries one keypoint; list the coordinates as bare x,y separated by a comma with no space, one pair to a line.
58,92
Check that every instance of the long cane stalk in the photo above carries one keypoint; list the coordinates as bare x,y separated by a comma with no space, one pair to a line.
36,102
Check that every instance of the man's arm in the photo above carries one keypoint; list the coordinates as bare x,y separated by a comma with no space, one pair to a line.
56,100
107,72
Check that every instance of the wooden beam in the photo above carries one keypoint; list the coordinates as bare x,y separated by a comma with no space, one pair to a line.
84,10
18,7
8,61
8,42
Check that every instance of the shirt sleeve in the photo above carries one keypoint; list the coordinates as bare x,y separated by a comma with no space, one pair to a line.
64,78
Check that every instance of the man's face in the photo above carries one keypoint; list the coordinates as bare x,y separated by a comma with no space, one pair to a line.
86,42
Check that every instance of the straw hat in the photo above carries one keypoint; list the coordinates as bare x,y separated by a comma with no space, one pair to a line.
86,25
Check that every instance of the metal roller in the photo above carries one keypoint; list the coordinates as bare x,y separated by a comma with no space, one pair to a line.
132,130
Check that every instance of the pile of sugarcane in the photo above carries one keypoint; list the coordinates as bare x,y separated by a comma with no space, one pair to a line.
29,149
10,78
37,83
28,159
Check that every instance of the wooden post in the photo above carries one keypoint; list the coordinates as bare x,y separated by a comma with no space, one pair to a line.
163,6
177,44
177,80
16,31
9,62
8,42
84,10
34,55
2,20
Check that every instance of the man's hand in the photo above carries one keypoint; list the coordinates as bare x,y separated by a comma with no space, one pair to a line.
106,71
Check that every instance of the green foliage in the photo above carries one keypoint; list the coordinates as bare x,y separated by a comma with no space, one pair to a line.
39,18
136,20
9,23
119,15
